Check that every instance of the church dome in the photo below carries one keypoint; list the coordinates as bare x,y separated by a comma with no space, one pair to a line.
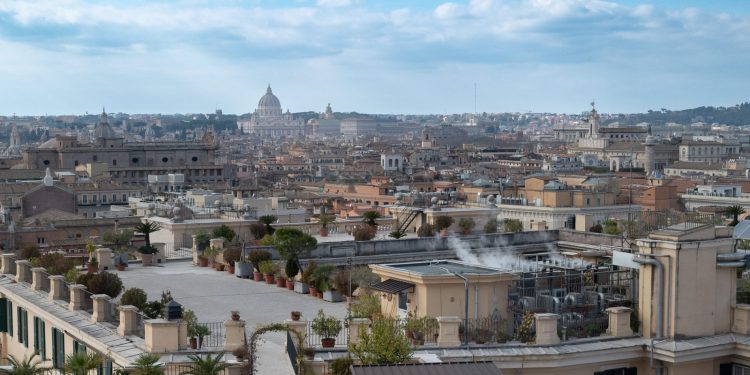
269,104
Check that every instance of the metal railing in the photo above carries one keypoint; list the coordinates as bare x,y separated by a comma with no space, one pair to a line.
216,338
573,325
291,351
178,250
489,330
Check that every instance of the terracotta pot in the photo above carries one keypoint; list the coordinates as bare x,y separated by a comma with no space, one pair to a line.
230,269
296,315
323,232
290,284
313,292
120,266
444,233
328,343
202,262
257,276
269,279
235,317
193,343
319,295
409,334
281,282
219,267
92,268
466,232
147,259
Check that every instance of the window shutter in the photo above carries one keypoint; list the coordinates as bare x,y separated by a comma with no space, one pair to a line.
4,318
43,340
25,328
19,324
36,334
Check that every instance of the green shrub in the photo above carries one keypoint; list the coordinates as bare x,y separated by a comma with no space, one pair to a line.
56,263
224,232
364,233
268,267
105,283
321,277
257,257
327,326
134,296
491,226
232,254
29,251
443,222
426,230
366,306
258,230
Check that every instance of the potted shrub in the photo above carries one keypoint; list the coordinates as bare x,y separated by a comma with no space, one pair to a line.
321,279
324,220
466,224
268,269
197,332
258,230
92,266
443,223
291,269
280,277
243,268
119,264
235,315
267,220
426,230
303,286
364,232
202,260
202,240
309,353
231,256
256,258
327,327
296,315
491,226
147,251
210,253
293,244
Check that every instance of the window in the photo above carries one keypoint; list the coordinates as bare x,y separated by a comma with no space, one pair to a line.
23,326
105,368
104,198
4,323
78,347
124,197
402,299
93,198
40,340
46,162
194,159
58,348
85,199
619,371
164,159
95,158
114,161
134,160
9,313
40,240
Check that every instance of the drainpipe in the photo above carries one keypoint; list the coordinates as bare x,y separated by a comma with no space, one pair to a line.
476,302
659,305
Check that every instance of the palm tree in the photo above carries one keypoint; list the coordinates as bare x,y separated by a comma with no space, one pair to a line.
267,220
208,365
147,228
82,363
735,211
148,364
27,366
369,218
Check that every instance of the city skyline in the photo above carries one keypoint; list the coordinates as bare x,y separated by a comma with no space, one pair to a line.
417,57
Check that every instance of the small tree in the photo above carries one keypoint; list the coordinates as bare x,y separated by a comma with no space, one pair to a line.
326,326
325,219
258,230
366,306
56,263
735,211
513,225
208,365
364,232
26,366
105,283
426,230
258,256
596,228
466,224
293,244
148,364
146,228
370,218
224,232
267,220
396,234
443,222
491,226
82,363
384,345
119,239
609,226
135,297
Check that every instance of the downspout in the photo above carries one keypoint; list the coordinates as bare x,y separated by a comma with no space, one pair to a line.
659,305
476,302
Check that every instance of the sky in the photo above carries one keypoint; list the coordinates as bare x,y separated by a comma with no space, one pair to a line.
397,57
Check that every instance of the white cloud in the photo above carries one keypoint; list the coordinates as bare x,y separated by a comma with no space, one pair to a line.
333,3
447,10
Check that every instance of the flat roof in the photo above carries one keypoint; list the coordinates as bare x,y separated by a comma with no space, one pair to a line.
443,268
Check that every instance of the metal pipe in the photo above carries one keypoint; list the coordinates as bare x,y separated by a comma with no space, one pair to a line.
476,302
730,257
730,264
659,305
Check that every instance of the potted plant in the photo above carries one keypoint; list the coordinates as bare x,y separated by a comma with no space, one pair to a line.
303,286
202,260
197,332
309,353
119,264
210,254
466,224
147,251
202,240
443,223
231,256
92,266
321,279
268,269
327,327
267,220
243,268
324,220
293,244
235,315
296,315
256,258
280,277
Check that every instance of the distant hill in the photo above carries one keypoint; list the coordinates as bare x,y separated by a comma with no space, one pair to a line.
737,115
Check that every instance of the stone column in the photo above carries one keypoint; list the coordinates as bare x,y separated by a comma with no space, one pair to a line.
299,326
22,268
77,297
318,366
182,339
56,287
101,308
234,334
741,322
546,329
619,321
355,325
9,263
161,336
128,320
104,257
37,278
195,251
448,331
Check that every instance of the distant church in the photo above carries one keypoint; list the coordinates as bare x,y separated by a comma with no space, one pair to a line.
269,120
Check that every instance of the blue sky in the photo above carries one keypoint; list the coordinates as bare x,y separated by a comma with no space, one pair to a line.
188,56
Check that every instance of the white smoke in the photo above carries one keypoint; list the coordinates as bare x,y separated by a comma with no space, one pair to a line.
503,256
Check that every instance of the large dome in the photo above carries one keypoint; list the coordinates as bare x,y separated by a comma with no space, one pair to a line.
103,130
269,104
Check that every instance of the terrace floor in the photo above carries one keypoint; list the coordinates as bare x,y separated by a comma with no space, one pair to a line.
212,295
